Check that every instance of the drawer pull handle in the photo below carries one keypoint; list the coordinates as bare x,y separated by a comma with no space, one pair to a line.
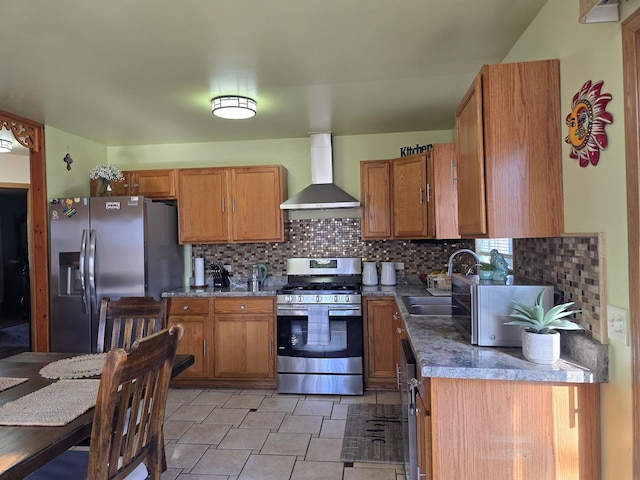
242,307
399,330
185,307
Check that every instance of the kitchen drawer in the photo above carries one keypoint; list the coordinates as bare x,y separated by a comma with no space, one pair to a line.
244,305
189,306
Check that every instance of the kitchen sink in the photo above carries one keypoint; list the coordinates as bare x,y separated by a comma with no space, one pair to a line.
435,310
429,305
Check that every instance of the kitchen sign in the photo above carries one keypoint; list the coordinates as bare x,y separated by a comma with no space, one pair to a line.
406,151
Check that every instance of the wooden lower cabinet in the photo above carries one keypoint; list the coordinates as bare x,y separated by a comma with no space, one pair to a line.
193,315
231,338
244,336
498,429
382,332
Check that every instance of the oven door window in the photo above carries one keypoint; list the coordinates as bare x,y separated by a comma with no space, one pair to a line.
344,339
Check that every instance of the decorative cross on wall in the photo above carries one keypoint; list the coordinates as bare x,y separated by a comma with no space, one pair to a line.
68,160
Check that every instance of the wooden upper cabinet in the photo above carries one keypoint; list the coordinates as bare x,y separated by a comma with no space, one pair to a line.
413,204
156,184
159,184
221,205
256,195
375,188
509,152
410,197
202,205
443,159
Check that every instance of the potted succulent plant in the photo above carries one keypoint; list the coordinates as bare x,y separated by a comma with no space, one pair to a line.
540,337
485,272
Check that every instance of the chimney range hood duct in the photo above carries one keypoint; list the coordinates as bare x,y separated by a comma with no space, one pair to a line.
322,193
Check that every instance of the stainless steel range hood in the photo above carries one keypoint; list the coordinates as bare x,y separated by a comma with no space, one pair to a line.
322,193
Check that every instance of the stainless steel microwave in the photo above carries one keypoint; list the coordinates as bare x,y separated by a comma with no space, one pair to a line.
484,306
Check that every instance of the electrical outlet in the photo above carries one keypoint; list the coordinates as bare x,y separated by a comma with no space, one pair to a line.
399,265
618,324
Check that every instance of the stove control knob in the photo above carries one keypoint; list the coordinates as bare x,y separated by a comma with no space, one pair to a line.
288,299
346,299
335,299
300,298
318,298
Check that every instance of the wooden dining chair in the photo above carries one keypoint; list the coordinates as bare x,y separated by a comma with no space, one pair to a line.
126,435
128,319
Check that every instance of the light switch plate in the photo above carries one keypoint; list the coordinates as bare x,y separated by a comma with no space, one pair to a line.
618,324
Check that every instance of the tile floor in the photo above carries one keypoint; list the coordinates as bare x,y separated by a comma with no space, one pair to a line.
250,434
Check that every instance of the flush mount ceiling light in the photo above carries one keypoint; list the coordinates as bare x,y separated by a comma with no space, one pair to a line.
5,146
233,106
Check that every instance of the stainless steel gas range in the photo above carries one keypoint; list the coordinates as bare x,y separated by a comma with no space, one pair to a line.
319,316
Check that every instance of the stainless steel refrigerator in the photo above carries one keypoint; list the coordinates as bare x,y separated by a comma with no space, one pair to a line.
106,247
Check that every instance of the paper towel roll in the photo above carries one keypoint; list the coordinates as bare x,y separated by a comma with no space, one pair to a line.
199,280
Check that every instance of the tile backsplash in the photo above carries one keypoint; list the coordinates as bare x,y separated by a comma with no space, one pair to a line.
572,263
331,238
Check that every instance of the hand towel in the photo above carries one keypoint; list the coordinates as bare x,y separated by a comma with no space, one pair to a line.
318,333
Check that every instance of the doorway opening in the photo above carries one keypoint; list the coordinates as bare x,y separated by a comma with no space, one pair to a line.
15,295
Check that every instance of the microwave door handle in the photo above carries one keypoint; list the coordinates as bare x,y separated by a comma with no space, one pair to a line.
92,270
83,273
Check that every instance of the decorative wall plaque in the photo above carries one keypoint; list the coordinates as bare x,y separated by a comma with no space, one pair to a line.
586,123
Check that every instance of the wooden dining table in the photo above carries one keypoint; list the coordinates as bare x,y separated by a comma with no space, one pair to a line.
24,449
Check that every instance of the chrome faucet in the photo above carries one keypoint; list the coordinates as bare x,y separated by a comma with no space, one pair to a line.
462,250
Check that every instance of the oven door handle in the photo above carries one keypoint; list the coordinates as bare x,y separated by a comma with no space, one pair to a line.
335,312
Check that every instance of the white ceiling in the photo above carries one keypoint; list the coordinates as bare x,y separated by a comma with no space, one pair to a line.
123,72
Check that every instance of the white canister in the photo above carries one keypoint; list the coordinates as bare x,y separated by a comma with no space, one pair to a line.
369,273
388,273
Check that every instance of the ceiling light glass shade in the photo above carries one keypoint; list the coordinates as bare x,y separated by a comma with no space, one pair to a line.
233,107
5,146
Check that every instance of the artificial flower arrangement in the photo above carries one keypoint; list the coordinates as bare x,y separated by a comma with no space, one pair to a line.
106,172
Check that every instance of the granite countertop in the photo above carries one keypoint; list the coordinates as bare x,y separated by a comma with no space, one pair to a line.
239,287
442,351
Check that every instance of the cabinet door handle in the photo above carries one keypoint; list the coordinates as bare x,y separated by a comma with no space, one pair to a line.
270,348
204,348
233,205
453,171
185,307
398,376
242,307
421,195
428,192
222,204
399,330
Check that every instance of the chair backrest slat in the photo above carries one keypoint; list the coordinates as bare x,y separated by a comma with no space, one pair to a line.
130,408
128,319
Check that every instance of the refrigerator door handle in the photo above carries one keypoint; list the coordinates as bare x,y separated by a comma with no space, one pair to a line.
83,273
92,270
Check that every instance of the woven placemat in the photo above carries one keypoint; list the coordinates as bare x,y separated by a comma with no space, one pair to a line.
8,382
54,405
81,366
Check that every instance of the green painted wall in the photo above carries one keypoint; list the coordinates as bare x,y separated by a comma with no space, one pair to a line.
85,154
595,197
293,153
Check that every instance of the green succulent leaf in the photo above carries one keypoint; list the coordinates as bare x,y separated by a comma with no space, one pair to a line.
534,318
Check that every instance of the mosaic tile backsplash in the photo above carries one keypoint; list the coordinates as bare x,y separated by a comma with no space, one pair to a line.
573,264
331,238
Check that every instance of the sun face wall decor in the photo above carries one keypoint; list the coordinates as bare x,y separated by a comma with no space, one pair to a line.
586,123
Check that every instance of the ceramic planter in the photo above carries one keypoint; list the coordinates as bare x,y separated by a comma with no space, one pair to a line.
541,348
